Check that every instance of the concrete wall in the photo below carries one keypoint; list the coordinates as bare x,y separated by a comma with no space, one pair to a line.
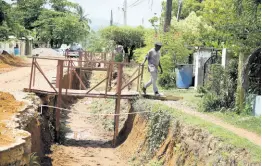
257,106
9,47
200,57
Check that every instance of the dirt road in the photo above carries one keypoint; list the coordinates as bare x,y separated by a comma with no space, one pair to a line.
87,144
18,79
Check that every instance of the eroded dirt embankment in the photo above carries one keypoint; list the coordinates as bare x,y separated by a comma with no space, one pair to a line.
160,139
15,141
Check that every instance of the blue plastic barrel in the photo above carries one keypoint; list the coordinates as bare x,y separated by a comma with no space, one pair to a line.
16,51
184,74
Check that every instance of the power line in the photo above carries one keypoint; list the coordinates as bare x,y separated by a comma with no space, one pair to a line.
133,3
138,2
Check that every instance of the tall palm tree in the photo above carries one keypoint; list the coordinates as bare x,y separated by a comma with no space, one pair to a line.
81,13
83,17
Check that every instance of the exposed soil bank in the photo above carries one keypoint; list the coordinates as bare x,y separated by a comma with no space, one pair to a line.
182,144
17,151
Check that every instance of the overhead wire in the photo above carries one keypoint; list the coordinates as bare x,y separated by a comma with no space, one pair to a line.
138,2
133,3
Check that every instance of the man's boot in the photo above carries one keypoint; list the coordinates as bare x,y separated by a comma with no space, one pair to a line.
144,90
157,94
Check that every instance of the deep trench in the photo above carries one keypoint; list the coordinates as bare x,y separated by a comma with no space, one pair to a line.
43,135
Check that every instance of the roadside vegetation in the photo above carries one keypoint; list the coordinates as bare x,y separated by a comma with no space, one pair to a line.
163,116
64,22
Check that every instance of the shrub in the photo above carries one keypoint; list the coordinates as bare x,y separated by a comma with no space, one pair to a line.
230,83
219,91
158,129
248,105
211,102
201,89
167,80
214,80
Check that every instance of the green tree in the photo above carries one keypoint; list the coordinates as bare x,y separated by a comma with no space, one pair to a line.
59,27
96,43
29,11
4,29
81,13
63,5
130,38
11,22
194,30
188,6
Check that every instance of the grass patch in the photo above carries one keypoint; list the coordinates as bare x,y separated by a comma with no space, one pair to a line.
227,136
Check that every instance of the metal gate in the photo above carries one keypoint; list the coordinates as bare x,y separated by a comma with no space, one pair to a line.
214,59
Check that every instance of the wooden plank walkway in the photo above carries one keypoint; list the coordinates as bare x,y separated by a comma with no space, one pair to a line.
83,93
97,94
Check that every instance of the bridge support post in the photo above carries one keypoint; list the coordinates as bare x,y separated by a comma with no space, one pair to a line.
111,67
58,74
31,75
138,80
117,105
59,98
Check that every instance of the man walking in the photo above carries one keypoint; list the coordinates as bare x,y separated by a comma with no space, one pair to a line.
153,57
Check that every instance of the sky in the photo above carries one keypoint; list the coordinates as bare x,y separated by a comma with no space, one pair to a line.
99,11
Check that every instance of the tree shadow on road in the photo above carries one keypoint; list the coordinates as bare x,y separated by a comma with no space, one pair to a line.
89,143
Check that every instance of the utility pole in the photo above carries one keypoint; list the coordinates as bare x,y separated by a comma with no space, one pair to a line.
111,19
142,21
125,12
168,15
179,9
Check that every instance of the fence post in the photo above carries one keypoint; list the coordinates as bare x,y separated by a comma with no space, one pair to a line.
58,68
111,67
59,99
31,74
117,106
80,59
138,79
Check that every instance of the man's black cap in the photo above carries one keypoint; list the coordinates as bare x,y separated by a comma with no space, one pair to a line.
158,44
